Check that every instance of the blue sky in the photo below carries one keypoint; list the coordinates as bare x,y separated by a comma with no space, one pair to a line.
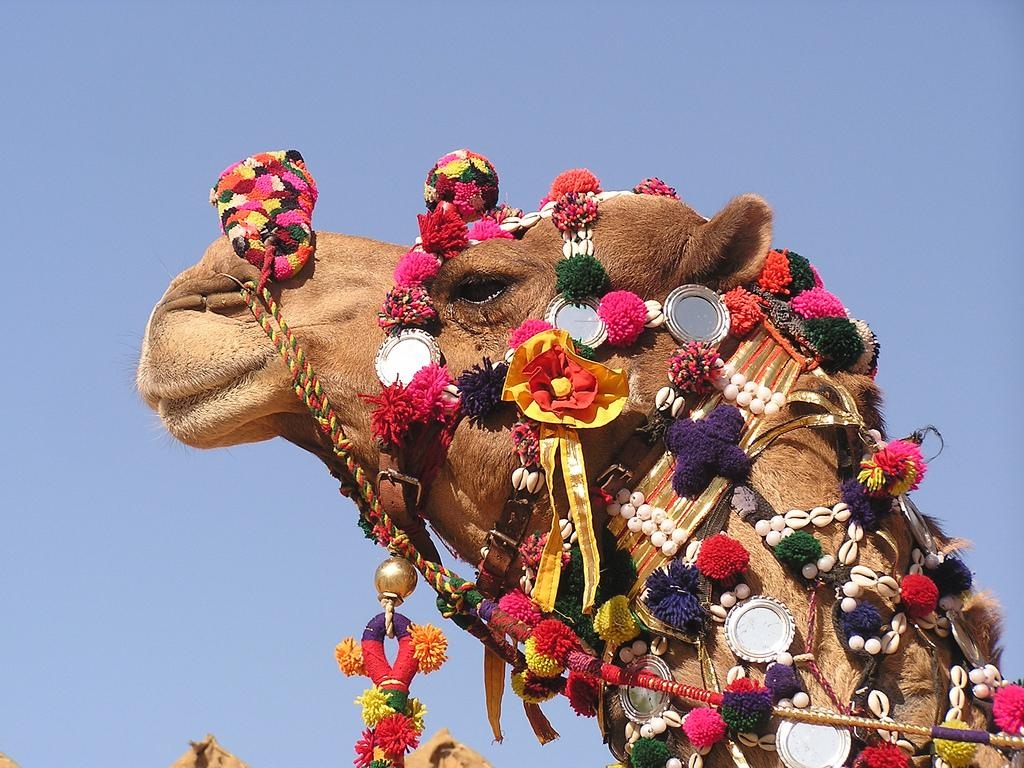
152,593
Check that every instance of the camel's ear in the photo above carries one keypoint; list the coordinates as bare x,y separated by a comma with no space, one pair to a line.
729,249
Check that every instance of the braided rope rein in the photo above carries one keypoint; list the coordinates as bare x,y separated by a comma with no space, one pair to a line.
461,599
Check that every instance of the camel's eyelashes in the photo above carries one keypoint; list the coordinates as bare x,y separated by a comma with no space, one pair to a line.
480,289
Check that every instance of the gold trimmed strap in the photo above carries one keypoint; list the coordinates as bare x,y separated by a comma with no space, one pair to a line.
555,438
494,688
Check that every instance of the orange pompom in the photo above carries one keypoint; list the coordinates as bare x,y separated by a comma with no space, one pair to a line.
349,655
574,180
429,646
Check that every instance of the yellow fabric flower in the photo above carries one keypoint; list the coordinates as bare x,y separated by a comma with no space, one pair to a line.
552,384
349,655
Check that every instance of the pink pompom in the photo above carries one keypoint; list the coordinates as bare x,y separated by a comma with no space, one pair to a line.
818,282
528,329
517,605
415,268
427,394
817,302
704,727
488,229
624,315
1008,708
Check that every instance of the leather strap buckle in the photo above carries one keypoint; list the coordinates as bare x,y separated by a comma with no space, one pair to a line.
615,477
394,476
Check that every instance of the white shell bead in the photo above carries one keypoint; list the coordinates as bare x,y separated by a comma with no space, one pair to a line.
742,591
658,539
978,675
801,700
779,399
873,646
727,600
809,571
648,527
636,498
856,642
756,406
678,535
673,762
848,605
778,522
669,548
634,524
738,379
982,690
770,409
826,563
625,511
743,399
626,655
658,514
643,511
787,531
763,393
773,538
762,527
623,495
851,589
785,658
667,525
730,392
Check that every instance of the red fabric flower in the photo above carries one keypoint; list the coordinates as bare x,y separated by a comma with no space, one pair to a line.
559,384
443,232
395,734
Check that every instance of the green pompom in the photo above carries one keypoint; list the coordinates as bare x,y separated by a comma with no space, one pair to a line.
798,549
742,720
366,527
581,277
583,350
800,271
649,753
836,340
397,700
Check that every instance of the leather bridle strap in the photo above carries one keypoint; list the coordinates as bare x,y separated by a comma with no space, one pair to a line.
401,496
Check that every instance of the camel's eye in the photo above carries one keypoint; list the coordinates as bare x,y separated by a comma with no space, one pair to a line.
480,289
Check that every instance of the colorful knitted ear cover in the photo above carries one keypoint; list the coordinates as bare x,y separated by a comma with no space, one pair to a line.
265,203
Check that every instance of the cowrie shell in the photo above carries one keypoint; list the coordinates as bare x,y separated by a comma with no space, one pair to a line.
519,477
664,398
767,742
511,223
735,673
567,249
534,481
530,219
849,552
878,703
821,516
659,645
672,718
957,698
797,518
718,613
696,761
677,406
890,642
954,713
855,532
842,515
748,739
863,575
887,587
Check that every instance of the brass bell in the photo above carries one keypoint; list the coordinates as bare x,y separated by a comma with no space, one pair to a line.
395,579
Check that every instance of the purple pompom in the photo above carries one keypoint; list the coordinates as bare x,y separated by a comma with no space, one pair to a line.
866,510
480,388
672,596
782,681
951,576
864,620
707,448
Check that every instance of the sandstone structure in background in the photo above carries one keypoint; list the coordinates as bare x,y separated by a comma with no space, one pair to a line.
441,751
6,762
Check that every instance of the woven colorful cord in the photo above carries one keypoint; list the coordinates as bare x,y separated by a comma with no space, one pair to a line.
265,203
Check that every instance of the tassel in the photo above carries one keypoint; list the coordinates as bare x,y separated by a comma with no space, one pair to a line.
542,728
494,688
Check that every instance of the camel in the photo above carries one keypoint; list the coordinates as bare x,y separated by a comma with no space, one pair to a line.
216,380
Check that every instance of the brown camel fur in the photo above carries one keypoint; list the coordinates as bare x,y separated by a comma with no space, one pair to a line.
215,380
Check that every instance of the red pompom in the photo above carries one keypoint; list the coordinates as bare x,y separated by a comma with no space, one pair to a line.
583,693
919,594
394,413
574,180
883,755
553,638
443,232
721,557
395,734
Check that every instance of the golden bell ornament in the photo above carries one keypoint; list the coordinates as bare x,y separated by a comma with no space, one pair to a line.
395,578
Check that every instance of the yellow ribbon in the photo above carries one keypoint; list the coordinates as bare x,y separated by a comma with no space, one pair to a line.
554,439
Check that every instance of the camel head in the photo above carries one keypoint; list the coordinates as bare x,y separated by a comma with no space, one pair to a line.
216,379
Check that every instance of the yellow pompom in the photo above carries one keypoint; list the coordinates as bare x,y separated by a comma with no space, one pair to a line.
416,712
541,664
429,647
376,706
958,754
349,655
614,622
